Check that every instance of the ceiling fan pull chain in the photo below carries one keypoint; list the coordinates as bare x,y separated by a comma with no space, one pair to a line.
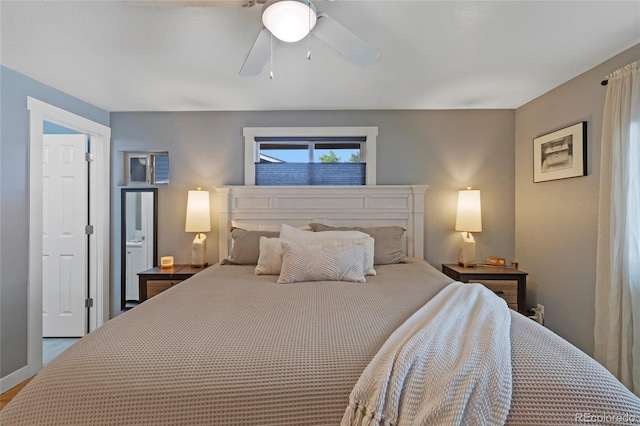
309,35
271,57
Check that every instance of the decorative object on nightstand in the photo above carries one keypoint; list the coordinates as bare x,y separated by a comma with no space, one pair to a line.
468,220
496,261
166,262
198,221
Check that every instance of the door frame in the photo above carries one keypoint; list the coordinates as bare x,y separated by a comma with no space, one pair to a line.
99,256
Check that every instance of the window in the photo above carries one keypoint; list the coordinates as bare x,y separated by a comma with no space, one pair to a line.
310,161
147,168
310,150
161,169
310,156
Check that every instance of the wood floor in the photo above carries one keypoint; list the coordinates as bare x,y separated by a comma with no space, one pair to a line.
11,393
51,348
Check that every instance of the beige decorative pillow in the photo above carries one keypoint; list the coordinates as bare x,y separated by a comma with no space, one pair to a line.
270,258
389,248
246,246
303,262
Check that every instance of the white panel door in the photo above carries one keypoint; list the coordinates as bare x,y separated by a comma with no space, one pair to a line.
64,242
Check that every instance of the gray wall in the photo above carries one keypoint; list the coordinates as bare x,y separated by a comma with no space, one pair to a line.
557,221
446,149
14,197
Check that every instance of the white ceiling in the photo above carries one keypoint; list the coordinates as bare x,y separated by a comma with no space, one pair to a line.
434,54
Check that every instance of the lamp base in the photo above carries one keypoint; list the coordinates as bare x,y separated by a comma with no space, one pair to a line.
467,251
199,251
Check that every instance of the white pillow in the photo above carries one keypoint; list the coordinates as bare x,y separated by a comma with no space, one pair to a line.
270,258
293,234
261,226
288,232
304,262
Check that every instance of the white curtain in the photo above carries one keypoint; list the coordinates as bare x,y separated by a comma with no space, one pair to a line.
617,327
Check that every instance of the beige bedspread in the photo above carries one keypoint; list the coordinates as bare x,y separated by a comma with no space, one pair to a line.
228,347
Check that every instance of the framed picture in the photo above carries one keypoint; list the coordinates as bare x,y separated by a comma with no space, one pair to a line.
561,154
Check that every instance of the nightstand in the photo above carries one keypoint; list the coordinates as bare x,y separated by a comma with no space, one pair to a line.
514,293
162,279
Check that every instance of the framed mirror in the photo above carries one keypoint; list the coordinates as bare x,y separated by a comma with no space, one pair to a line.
139,244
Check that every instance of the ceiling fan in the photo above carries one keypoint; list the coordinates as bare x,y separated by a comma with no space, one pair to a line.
292,20
285,20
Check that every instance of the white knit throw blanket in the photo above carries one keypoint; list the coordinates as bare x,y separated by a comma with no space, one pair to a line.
448,364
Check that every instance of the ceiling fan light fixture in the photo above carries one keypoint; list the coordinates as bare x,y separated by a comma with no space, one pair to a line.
289,20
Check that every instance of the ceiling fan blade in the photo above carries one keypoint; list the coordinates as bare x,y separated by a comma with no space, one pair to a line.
344,41
258,55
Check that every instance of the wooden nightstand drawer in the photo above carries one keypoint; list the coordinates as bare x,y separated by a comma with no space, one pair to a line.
156,280
508,283
157,286
508,290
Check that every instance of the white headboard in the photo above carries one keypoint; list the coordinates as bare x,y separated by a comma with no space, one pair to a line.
369,205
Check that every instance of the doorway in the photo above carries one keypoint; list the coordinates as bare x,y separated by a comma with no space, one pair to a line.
97,292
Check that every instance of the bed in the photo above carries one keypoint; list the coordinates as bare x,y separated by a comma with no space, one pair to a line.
231,347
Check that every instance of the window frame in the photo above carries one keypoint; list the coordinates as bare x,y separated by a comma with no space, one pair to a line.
252,152
149,170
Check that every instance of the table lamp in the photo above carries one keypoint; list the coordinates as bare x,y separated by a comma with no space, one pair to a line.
198,221
468,220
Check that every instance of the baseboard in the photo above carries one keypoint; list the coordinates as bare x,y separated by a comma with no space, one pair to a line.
14,379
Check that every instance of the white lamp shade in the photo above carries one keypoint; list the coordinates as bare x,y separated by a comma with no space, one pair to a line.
289,20
198,212
469,217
